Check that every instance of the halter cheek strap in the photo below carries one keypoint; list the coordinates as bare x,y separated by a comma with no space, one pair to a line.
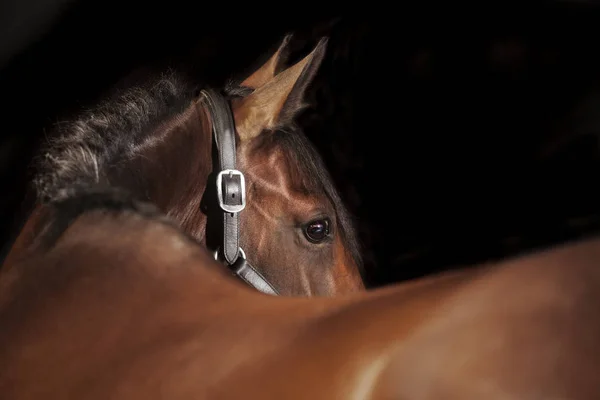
231,193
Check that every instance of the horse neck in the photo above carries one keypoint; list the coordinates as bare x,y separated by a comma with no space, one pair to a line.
172,168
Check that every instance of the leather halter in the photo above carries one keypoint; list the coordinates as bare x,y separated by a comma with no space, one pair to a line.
231,193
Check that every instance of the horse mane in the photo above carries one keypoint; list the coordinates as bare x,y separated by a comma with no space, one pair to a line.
79,152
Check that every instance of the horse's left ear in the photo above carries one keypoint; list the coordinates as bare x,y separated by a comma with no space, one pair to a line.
280,99
268,70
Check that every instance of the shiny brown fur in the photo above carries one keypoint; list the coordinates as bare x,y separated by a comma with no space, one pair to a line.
114,301
156,142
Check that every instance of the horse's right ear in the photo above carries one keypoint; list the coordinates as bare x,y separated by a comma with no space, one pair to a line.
270,68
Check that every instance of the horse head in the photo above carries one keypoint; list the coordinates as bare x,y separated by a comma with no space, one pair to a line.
157,142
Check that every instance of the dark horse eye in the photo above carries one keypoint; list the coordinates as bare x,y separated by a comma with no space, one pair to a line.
318,230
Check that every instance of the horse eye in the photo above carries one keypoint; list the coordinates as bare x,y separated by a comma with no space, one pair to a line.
318,230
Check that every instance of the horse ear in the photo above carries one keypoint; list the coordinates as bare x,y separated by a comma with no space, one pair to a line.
270,68
280,99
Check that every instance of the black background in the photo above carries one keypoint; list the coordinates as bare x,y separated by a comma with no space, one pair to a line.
455,134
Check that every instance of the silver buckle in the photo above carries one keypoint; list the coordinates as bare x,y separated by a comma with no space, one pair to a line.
235,208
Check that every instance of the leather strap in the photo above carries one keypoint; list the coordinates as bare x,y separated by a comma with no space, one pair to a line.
231,238
231,193
246,272
230,187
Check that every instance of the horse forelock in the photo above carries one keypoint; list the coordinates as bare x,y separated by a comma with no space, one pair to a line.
79,151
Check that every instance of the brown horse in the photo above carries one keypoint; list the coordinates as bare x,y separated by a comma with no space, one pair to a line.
229,166
114,301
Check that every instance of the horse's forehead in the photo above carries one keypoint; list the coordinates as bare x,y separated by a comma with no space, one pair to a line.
267,163
272,172
274,165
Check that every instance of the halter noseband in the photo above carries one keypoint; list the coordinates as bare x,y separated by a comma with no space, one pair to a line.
231,193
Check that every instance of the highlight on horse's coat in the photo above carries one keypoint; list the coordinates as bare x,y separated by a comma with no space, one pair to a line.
160,142
117,302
